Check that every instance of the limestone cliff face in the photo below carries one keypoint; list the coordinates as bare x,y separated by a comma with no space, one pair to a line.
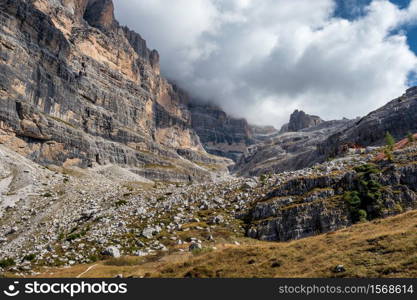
77,88
300,120
221,134
311,205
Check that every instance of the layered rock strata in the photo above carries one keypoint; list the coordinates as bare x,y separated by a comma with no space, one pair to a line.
221,134
78,89
310,205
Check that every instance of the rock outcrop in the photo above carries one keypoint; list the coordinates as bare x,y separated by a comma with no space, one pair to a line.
300,120
221,134
78,89
311,205
100,14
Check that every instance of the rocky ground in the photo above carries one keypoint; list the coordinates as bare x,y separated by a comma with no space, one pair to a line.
61,217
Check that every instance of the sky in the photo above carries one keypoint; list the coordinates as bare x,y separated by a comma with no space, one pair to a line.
262,59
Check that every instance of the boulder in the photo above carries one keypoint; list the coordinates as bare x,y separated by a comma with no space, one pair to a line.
148,232
216,220
112,251
195,246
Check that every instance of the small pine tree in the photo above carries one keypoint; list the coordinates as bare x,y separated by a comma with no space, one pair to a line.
410,138
389,139
388,154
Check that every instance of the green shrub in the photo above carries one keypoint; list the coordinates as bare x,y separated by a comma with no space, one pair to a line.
7,262
263,178
389,139
30,257
368,169
398,208
388,154
93,258
203,250
365,202
353,199
73,236
363,216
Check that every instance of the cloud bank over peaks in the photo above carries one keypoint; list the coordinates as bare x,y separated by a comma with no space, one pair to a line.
263,59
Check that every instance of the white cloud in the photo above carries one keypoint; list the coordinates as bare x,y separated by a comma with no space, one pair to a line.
263,59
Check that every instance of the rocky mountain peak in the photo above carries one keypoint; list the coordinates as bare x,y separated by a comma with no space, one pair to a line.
100,14
300,120
139,45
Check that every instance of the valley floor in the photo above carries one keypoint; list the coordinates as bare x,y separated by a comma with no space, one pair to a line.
382,248
107,221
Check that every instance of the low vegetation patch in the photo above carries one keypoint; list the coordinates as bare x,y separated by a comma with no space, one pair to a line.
381,248
124,261
74,234
200,251
30,257
365,201
6,263
120,202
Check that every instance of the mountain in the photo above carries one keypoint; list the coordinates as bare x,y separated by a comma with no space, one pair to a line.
307,140
102,157
397,117
53,217
289,150
300,120
78,89
219,133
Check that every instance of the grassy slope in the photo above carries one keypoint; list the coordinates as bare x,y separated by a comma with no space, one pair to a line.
382,248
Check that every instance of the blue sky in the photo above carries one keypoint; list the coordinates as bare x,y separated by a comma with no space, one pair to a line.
411,30
352,9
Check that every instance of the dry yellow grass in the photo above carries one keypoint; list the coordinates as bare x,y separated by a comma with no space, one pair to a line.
382,248
128,266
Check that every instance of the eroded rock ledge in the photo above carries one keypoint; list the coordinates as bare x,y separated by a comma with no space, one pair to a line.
310,205
79,89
